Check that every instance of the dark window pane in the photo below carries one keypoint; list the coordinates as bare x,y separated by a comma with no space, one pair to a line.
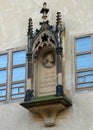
83,44
19,57
3,75
84,61
18,74
3,61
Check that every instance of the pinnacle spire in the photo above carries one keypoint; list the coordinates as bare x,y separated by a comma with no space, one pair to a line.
58,21
30,27
44,11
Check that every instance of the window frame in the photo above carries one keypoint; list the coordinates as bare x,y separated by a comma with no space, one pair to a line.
82,53
9,68
5,68
16,66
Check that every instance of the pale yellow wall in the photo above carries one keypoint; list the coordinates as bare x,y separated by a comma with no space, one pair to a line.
78,18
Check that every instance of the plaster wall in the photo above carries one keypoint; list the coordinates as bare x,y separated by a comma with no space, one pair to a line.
78,18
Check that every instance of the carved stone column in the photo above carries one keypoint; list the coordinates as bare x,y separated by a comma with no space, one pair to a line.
59,52
29,53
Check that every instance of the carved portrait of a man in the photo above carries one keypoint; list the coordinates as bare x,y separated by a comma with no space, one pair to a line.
49,59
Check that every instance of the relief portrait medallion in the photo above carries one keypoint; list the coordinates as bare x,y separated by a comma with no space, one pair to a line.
49,59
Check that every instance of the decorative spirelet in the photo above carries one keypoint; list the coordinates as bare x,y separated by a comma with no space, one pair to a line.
44,11
58,22
30,27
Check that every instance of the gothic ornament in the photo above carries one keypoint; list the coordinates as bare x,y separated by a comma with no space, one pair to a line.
44,55
47,36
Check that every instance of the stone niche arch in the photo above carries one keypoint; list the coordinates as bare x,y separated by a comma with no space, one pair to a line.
44,79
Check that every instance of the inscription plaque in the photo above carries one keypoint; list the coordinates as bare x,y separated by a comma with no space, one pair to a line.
47,74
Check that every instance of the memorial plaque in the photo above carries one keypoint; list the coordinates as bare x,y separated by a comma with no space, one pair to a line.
47,74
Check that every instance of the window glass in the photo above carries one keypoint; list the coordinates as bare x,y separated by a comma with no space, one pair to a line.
84,61
89,78
2,98
2,93
83,44
84,85
85,73
80,79
18,73
18,85
3,76
18,88
19,57
18,96
14,90
21,90
3,60
2,87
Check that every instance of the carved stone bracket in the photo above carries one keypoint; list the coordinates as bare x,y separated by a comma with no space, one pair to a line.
49,112
48,107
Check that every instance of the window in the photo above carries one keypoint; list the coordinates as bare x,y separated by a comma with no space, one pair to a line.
3,76
84,62
12,74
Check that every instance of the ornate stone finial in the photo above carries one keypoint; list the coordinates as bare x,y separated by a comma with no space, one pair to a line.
58,22
30,27
44,11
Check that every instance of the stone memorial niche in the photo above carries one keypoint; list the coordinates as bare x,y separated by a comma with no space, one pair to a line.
44,55
44,79
46,71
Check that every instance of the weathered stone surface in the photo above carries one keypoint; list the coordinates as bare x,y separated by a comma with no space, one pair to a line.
78,18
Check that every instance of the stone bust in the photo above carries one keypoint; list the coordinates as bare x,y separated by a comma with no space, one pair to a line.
48,59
